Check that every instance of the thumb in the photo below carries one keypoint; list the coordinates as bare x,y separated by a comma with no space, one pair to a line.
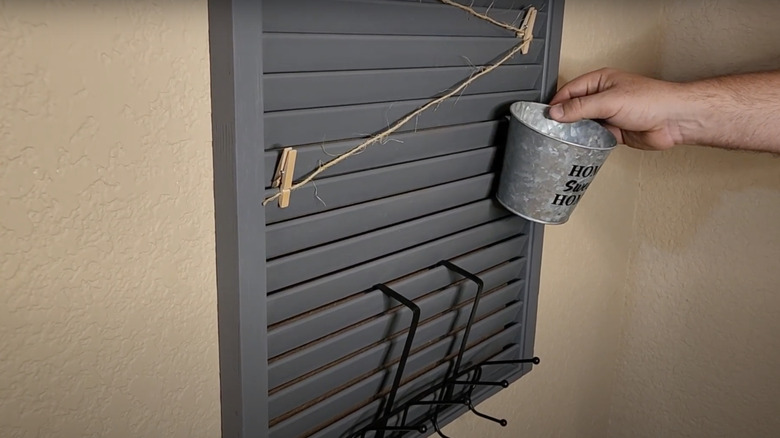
595,106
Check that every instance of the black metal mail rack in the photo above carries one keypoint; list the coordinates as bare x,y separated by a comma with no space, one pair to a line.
443,394
393,294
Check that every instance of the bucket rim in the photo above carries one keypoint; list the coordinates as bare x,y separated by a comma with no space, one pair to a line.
543,107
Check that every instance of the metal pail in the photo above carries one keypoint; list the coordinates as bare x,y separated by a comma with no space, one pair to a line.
548,165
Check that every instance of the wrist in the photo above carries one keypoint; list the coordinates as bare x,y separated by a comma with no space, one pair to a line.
694,114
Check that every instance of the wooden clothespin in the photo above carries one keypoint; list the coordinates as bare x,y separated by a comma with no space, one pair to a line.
283,177
528,29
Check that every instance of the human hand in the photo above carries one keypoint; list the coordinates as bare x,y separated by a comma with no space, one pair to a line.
641,112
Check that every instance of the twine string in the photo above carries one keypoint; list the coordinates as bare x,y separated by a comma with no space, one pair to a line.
383,137
519,32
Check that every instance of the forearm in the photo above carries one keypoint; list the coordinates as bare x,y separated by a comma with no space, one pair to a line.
737,112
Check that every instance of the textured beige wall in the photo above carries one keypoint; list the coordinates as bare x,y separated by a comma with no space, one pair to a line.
107,286
585,261
701,347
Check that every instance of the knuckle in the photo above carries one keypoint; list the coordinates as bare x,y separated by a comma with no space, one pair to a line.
577,104
573,108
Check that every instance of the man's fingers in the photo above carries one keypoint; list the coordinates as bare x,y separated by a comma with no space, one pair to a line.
589,83
596,106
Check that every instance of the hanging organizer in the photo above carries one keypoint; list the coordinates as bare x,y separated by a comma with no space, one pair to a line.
444,393
393,294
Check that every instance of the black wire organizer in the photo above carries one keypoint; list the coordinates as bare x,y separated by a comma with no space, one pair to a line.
444,393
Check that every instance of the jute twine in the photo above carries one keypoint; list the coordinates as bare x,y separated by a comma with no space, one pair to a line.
382,137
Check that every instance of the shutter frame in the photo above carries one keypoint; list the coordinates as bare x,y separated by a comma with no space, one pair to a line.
237,127
244,150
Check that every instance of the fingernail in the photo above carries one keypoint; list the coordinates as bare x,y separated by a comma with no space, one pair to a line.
556,111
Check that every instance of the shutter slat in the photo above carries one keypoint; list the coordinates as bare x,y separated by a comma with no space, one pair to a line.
361,417
282,52
292,236
384,17
323,412
290,91
303,266
287,337
288,128
378,357
410,146
332,348
341,191
308,296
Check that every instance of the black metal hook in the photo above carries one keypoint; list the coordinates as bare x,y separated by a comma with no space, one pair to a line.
380,426
470,403
435,421
450,381
501,421
533,360
503,383
475,381
466,331
453,377
449,384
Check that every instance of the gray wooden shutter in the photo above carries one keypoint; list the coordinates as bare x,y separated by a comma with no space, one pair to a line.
309,344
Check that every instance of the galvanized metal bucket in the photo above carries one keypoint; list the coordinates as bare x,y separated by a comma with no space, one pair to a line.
548,165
